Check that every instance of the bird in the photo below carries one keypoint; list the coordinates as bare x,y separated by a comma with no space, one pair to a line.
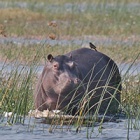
92,46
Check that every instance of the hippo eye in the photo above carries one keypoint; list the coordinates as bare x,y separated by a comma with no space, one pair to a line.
56,66
71,64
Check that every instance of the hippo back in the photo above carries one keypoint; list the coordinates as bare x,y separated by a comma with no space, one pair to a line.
100,75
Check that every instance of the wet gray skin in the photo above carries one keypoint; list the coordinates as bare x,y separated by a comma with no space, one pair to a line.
79,78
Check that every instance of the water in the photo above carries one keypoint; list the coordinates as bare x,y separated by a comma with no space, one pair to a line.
68,7
39,131
130,69
101,41
7,68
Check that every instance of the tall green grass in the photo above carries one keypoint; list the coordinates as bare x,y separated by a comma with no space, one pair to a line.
16,94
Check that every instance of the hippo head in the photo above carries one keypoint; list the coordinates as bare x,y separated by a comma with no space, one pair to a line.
59,84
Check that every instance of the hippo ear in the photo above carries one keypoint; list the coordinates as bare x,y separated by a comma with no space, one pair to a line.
50,57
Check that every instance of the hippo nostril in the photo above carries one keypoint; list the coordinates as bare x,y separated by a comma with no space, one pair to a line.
75,81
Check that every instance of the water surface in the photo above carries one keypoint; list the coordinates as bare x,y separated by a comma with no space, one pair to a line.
84,41
7,68
39,131
68,7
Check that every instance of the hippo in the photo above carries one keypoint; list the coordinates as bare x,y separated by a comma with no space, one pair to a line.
83,79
